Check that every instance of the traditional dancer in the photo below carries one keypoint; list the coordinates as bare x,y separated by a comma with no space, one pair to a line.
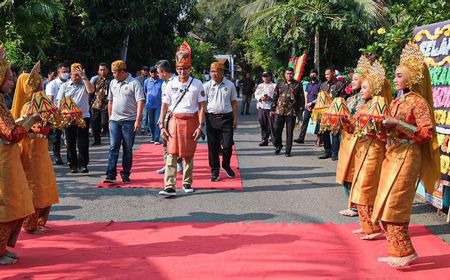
34,154
369,149
345,165
412,153
15,196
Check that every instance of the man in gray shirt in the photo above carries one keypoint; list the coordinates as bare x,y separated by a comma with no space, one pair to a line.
221,120
78,88
125,103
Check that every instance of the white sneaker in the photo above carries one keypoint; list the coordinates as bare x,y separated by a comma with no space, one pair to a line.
187,188
168,192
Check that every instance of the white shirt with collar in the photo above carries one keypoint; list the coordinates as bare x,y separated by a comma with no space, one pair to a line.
52,88
125,96
79,94
264,89
189,103
219,96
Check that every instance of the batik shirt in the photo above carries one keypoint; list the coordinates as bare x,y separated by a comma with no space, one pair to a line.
101,86
288,99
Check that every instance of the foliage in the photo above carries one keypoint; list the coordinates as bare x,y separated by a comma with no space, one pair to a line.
403,17
13,45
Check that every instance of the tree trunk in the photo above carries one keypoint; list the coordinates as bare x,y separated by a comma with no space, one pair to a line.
124,50
316,49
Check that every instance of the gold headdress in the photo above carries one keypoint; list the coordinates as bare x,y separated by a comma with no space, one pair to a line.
118,65
27,84
4,64
413,59
363,65
377,75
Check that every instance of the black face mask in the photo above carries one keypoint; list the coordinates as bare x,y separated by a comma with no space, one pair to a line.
313,78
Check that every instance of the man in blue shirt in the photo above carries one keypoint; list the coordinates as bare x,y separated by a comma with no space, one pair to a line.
152,89
311,92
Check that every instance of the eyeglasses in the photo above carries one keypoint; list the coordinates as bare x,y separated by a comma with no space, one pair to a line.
183,68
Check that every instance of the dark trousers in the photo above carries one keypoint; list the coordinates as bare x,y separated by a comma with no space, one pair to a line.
77,138
121,133
99,121
219,129
304,127
55,137
331,143
279,121
246,99
266,124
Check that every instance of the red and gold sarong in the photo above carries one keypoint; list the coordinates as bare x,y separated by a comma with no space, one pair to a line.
398,238
9,233
181,130
37,220
365,214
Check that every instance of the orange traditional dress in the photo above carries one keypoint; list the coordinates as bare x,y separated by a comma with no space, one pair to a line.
412,154
15,196
34,155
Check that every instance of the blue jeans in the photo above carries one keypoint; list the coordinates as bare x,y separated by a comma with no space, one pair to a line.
121,133
153,117
144,126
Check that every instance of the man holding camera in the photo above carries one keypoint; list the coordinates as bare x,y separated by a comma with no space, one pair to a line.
185,98
221,120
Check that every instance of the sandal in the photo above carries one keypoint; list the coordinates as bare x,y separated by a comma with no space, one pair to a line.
348,213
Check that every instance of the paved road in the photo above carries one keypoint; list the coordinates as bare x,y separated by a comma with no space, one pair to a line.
298,189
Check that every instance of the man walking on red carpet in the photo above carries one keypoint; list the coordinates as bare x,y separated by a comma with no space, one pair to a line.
185,98
221,120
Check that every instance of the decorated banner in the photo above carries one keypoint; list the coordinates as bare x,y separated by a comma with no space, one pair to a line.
434,41
298,64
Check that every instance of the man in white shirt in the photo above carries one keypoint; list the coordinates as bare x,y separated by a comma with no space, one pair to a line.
264,97
221,120
185,98
79,88
52,91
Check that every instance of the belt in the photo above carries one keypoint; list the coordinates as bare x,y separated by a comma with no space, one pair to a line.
4,142
36,135
221,116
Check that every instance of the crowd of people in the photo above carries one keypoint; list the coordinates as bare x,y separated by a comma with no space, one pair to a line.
178,110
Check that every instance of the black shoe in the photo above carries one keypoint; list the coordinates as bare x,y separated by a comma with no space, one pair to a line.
84,170
287,155
59,161
230,173
214,177
334,158
187,188
109,180
168,192
247,113
73,170
325,156
126,180
263,143
299,141
278,150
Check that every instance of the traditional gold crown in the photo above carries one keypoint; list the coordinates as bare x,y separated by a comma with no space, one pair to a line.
35,80
413,58
4,64
363,65
377,74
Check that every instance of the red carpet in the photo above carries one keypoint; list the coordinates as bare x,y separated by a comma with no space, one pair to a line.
84,250
148,158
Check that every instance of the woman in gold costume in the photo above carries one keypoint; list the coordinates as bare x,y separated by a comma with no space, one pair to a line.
15,196
412,154
345,165
40,175
369,153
